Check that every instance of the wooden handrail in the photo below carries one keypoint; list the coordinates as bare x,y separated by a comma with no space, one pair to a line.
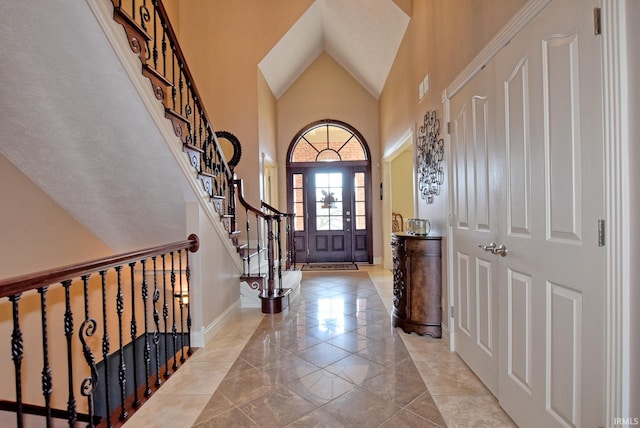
248,206
164,18
275,210
23,283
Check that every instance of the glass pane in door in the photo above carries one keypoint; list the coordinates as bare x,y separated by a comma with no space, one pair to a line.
360,200
329,204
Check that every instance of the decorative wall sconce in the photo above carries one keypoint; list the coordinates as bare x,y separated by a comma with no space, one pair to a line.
429,155
182,297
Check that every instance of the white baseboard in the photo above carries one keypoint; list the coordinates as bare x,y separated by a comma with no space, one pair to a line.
206,333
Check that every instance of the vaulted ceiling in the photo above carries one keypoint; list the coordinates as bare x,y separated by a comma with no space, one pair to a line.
363,36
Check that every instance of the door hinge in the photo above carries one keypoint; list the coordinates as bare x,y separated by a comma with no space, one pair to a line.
448,127
601,237
597,21
452,312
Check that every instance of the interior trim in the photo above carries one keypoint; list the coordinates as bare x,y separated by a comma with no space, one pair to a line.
500,40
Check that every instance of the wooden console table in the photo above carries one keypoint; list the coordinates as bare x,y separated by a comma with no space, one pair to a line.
417,284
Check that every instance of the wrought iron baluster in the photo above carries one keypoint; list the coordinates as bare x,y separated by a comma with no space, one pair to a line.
181,302
89,326
147,348
68,333
17,353
156,320
174,330
134,334
270,266
192,111
289,241
248,252
200,128
259,244
164,53
47,386
278,237
155,34
122,370
165,316
181,87
145,17
187,111
188,276
174,92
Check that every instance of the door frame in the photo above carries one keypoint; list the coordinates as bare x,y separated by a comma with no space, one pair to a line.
306,168
617,334
404,143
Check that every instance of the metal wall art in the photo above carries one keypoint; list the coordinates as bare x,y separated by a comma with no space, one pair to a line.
429,154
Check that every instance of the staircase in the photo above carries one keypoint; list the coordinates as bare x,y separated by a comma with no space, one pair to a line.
260,245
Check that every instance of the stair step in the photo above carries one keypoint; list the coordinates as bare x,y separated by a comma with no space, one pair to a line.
250,252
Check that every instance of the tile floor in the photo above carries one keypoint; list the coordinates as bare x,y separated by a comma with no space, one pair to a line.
331,360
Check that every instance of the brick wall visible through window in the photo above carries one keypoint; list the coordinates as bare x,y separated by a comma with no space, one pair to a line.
328,142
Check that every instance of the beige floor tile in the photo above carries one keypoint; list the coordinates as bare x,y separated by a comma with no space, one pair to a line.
472,412
176,411
371,374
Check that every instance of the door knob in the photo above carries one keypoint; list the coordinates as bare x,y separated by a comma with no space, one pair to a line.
500,250
489,248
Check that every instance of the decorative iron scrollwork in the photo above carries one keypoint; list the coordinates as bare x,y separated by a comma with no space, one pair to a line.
430,152
398,282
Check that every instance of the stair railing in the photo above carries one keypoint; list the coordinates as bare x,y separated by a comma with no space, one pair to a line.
82,378
289,260
153,39
256,244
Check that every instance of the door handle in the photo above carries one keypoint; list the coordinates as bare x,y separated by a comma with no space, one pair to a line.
488,248
500,250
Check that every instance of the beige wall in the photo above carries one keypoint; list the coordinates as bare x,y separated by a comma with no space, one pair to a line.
402,184
214,273
267,130
41,233
224,41
326,91
441,39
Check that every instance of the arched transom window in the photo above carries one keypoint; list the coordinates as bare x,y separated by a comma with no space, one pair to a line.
328,142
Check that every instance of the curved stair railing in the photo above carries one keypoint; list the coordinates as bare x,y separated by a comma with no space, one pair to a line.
152,38
141,297
289,218
265,239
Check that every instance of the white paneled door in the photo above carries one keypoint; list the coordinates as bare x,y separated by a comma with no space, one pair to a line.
474,150
541,154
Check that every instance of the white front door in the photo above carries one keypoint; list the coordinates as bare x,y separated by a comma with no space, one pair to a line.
546,197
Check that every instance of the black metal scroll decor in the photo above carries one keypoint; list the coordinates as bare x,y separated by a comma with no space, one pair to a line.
429,155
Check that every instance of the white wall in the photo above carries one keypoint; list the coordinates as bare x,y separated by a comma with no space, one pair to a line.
215,283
